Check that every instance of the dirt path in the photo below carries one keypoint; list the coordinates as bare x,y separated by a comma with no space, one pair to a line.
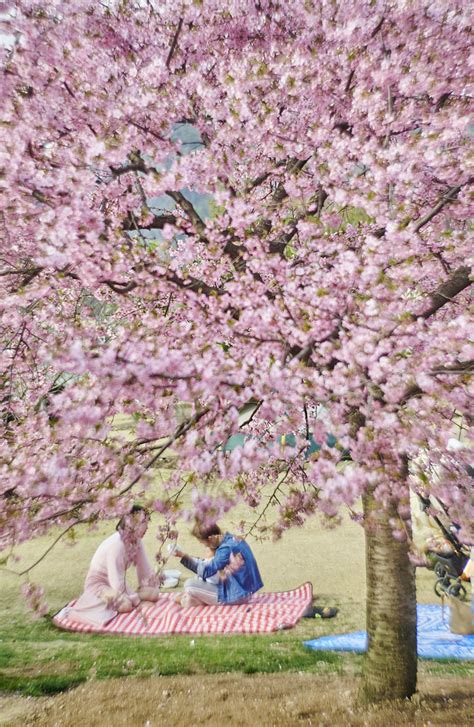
261,700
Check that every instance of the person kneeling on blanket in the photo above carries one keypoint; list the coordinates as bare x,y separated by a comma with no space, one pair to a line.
230,576
105,590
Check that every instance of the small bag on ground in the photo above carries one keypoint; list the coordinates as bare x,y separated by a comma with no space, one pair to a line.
461,617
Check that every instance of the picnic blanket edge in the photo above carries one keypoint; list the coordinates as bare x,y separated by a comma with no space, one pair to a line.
306,590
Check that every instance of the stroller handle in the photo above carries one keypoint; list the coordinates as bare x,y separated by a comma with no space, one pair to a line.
448,534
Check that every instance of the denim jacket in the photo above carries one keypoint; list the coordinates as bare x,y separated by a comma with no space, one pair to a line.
238,570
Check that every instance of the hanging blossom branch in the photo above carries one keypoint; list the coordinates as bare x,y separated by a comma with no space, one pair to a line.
272,497
48,549
180,431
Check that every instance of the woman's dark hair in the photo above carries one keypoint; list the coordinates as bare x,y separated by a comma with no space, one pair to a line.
133,510
204,532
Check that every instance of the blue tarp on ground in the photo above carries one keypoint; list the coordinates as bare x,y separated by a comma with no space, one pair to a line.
435,640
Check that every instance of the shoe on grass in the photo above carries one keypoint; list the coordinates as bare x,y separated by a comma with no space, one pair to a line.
321,612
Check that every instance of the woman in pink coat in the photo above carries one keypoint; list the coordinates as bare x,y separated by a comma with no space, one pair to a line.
105,590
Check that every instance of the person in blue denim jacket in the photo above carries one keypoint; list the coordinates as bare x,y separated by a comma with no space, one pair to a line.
233,562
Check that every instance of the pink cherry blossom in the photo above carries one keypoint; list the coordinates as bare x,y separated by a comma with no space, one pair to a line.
329,267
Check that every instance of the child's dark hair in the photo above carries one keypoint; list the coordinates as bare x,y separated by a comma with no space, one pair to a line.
133,511
204,532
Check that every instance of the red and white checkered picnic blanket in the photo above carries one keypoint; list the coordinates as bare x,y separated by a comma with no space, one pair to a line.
262,613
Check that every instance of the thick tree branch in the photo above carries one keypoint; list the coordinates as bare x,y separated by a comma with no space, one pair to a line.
456,283
146,130
450,195
462,367
121,288
459,280
158,222
194,285
174,43
315,205
442,100
264,176
138,166
21,271
189,209
293,166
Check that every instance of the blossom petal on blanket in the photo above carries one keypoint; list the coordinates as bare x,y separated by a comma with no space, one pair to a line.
435,640
262,613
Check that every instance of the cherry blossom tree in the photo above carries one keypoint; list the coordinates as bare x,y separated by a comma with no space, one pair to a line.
330,273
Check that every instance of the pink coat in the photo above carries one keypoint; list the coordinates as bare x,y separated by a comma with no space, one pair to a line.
106,578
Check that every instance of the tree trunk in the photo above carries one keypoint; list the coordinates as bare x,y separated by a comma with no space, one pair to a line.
391,661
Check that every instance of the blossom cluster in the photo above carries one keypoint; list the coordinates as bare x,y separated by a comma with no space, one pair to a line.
331,268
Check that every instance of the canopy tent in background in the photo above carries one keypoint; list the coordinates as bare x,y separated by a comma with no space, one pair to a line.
285,440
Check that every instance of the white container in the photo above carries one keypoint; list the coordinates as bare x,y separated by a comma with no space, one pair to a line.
172,574
170,582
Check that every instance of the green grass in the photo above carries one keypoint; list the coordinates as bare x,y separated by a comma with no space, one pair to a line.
448,667
40,686
36,659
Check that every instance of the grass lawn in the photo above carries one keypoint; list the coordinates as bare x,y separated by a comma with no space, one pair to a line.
37,659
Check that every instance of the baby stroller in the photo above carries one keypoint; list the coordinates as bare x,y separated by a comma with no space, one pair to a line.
448,559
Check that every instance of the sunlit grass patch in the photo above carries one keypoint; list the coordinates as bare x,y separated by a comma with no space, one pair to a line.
36,659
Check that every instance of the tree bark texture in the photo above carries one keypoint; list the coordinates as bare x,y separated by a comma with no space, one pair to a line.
391,663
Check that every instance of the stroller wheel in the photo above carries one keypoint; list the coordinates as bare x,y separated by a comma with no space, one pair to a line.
457,591
441,587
